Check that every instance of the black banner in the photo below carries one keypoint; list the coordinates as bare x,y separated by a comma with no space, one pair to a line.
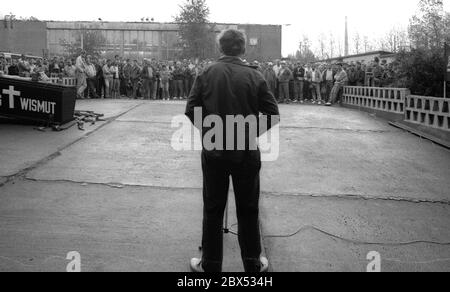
36,101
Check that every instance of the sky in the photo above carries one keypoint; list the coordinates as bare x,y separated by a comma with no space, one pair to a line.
299,17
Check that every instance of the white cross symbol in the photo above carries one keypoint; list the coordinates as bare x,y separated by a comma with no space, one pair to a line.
11,92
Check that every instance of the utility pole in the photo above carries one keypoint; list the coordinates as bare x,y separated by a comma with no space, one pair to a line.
81,27
346,36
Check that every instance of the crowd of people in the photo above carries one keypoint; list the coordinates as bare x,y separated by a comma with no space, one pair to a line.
290,81
322,83
112,78
149,79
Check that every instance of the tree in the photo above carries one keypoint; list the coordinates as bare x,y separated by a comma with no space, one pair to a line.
357,43
332,45
368,45
423,67
423,71
197,35
304,53
429,27
92,41
340,48
396,39
322,46
31,18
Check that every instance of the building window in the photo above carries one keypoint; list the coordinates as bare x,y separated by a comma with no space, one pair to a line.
141,38
149,38
156,38
134,37
126,37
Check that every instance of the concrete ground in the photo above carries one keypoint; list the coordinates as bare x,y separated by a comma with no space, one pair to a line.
345,184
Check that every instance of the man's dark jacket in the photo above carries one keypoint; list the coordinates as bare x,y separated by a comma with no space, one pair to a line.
232,87
299,72
145,74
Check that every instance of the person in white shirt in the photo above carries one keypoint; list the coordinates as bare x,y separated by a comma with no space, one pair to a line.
191,66
32,66
70,69
108,76
316,79
80,66
115,86
277,67
341,78
329,81
284,77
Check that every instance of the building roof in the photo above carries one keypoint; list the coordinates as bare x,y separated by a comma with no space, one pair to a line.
116,25
374,53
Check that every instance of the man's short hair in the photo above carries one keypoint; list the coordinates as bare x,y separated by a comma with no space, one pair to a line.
232,42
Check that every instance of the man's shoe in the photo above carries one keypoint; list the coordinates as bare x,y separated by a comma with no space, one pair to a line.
196,265
264,265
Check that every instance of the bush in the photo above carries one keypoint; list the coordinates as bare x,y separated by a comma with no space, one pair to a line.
423,71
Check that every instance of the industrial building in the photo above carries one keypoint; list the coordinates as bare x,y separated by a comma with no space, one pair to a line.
367,57
133,39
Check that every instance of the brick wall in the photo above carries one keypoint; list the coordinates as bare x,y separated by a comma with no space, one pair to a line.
266,40
27,37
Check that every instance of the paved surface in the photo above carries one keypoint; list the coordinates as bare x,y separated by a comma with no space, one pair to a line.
345,184
23,146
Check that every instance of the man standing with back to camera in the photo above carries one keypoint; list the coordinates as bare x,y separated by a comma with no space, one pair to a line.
231,87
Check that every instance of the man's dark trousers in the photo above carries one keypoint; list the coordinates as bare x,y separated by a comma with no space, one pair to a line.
246,184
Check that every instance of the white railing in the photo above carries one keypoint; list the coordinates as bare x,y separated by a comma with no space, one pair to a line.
67,81
54,80
70,82
428,111
377,98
